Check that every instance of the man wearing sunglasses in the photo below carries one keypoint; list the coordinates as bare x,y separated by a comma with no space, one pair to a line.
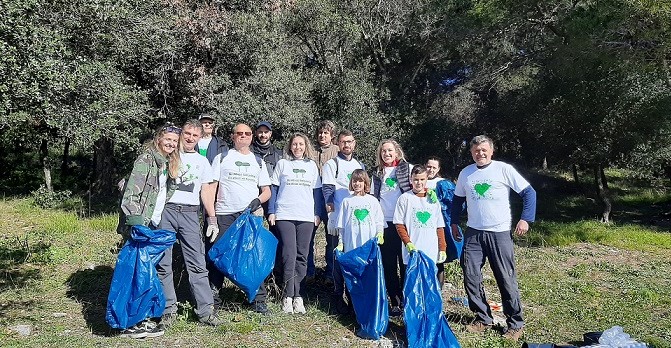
243,183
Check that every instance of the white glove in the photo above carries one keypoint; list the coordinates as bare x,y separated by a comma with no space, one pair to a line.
212,228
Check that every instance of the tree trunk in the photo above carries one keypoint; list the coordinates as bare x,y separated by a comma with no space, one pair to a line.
576,178
46,166
603,193
65,167
603,178
103,179
545,163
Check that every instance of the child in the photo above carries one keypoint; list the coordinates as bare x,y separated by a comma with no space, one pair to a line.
359,219
419,221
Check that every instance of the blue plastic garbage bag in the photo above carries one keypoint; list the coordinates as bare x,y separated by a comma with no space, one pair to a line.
245,253
423,310
364,278
454,247
136,293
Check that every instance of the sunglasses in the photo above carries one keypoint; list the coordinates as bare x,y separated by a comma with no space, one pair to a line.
249,134
172,129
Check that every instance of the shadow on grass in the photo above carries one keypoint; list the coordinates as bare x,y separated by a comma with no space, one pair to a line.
90,287
14,271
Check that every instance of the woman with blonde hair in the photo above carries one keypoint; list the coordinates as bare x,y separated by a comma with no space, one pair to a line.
294,209
144,196
391,178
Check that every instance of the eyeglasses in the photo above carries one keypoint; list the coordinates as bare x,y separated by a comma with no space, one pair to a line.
347,141
249,134
172,129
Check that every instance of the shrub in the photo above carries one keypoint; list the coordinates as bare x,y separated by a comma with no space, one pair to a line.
46,199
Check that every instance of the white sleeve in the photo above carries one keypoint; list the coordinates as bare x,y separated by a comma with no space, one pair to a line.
513,178
340,219
378,215
400,210
328,173
440,221
275,179
264,179
459,189
216,168
207,174
317,182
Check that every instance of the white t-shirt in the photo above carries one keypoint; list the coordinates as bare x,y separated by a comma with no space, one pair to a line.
487,193
296,180
341,183
194,171
390,191
239,179
422,219
160,199
360,219
203,144
432,183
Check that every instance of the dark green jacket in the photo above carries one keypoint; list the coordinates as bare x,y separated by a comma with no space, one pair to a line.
141,189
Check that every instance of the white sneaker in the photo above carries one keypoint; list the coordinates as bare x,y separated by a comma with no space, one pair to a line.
298,305
287,306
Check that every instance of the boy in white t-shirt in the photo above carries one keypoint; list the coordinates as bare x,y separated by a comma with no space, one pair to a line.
419,221
359,219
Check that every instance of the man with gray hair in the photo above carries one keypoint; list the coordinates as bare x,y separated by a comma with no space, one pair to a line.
181,215
485,187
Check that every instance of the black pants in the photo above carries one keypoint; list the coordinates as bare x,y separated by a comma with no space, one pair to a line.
296,237
392,262
216,277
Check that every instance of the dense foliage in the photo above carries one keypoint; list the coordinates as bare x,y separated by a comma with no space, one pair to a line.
563,82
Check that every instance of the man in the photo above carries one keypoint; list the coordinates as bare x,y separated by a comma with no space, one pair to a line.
209,144
264,147
238,190
325,151
180,215
335,186
485,187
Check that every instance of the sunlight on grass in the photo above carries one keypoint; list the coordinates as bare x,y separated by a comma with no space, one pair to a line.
626,236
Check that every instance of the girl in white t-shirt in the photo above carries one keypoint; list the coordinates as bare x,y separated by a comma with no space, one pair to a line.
359,219
294,209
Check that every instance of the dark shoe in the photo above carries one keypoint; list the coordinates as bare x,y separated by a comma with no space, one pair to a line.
144,329
340,306
260,307
513,334
395,311
167,320
212,320
478,327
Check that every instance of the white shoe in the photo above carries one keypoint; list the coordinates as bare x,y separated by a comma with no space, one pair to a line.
298,305
287,306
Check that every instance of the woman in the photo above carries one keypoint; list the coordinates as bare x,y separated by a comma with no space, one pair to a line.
444,193
391,178
144,196
293,208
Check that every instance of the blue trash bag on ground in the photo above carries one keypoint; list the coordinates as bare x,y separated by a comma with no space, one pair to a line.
364,278
425,322
136,293
245,253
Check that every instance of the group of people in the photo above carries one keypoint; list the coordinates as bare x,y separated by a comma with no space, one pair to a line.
189,181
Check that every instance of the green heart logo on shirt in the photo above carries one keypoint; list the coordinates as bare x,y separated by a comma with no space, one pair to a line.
391,182
482,188
349,176
423,216
360,214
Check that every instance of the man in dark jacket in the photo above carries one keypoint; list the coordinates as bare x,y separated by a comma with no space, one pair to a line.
263,147
210,145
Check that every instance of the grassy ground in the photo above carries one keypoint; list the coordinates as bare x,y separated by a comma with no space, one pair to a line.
576,275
